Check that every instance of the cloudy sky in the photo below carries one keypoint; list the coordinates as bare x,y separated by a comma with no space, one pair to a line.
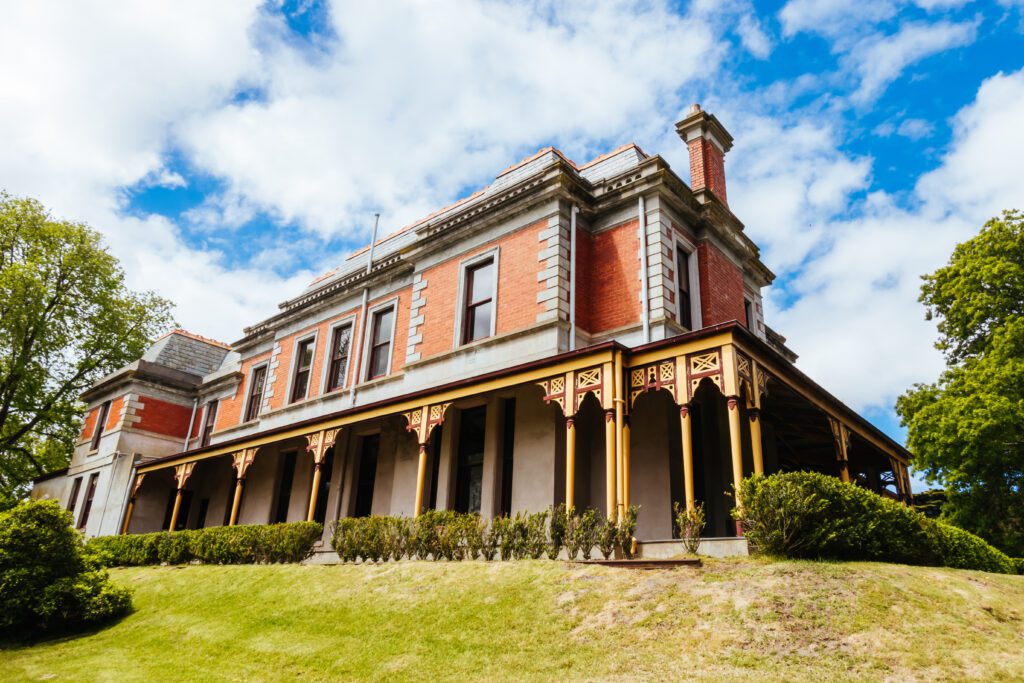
231,151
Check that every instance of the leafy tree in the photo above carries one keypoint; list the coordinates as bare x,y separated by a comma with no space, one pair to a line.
66,319
967,429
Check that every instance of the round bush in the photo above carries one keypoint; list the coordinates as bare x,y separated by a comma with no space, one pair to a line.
46,582
812,515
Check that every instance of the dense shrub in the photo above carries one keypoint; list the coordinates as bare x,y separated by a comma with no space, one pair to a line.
448,535
690,524
1018,564
46,581
811,515
243,544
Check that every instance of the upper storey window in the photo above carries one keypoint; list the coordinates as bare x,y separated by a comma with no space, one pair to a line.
303,366
256,382
208,422
380,343
685,299
101,422
478,307
338,368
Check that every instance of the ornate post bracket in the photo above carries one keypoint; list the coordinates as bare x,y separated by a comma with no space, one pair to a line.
318,443
569,390
423,420
242,460
136,486
841,437
182,473
680,376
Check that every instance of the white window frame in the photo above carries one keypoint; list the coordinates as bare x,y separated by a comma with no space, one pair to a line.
295,366
694,270
248,391
460,300
367,343
206,413
349,320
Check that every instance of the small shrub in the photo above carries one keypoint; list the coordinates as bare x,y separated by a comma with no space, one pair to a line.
47,581
625,529
491,539
536,541
557,530
586,532
1018,563
607,537
691,525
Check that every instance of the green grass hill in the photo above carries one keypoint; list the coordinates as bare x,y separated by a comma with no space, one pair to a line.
743,619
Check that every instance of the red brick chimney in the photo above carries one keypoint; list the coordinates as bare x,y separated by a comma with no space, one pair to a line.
708,141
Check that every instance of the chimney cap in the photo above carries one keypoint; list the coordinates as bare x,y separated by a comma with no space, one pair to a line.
699,123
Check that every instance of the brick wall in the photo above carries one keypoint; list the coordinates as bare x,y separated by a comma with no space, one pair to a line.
721,286
517,306
707,167
229,412
90,423
611,280
162,417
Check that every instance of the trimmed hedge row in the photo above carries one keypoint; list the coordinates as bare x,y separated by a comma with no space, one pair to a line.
243,544
46,582
812,515
448,535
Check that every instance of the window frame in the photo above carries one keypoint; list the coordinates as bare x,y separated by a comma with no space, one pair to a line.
493,255
350,322
90,495
76,488
311,338
99,428
692,263
248,407
367,333
206,431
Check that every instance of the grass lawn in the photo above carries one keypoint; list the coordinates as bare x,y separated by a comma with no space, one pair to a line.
731,619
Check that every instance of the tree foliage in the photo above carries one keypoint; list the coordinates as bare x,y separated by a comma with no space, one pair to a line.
967,429
66,319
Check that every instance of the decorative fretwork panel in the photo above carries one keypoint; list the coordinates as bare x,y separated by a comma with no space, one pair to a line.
589,381
701,366
660,375
423,420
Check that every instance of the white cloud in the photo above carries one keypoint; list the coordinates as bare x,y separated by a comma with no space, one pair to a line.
753,37
856,321
833,17
879,60
361,128
915,129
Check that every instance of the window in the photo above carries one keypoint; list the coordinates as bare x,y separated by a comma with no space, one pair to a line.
303,365
209,420
76,487
683,285
338,367
90,492
380,343
470,477
478,309
258,379
748,313
101,422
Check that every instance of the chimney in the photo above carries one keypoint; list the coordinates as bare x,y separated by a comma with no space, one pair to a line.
708,141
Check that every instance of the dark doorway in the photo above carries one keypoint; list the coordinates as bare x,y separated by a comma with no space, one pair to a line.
326,470
470,475
186,503
284,486
435,465
367,474
508,442
204,507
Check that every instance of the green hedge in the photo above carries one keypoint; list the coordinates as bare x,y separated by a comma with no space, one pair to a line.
46,582
448,535
243,544
811,515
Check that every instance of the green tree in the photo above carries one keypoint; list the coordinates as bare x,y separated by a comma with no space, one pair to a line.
66,319
967,429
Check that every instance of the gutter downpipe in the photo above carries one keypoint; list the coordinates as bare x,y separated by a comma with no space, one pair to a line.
645,312
191,423
362,314
572,277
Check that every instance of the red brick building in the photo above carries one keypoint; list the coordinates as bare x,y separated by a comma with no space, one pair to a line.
590,333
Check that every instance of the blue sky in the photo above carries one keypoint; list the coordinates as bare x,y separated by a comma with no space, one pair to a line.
230,152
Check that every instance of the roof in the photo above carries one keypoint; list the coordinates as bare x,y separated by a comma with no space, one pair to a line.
600,167
187,352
